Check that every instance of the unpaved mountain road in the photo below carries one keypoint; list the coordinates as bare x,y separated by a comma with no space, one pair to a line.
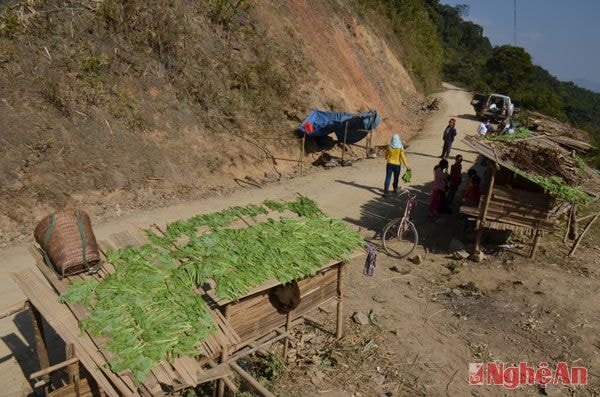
340,192
350,193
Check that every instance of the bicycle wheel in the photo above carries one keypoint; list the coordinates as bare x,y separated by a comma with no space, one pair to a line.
399,238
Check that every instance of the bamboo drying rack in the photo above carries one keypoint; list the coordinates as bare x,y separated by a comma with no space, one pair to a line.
239,334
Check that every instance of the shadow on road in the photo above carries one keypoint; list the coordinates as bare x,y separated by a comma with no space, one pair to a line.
358,185
23,348
468,117
424,154
435,234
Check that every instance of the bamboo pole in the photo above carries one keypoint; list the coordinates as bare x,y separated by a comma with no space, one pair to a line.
370,136
55,367
568,224
345,137
237,356
302,153
248,378
73,369
580,237
339,332
286,340
221,382
484,208
40,343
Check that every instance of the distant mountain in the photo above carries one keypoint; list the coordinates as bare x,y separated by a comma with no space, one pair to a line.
590,85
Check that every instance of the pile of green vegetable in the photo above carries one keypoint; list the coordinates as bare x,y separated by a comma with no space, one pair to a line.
556,186
520,133
148,310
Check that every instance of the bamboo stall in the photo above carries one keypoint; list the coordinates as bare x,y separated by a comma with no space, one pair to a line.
515,203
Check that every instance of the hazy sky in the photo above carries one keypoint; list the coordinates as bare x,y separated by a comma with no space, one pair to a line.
562,36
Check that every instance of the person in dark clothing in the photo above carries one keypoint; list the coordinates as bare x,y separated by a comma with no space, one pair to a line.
455,178
448,137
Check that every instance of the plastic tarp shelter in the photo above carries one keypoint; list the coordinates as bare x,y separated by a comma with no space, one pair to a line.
320,123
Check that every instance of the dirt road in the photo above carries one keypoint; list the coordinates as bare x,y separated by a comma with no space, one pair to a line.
350,193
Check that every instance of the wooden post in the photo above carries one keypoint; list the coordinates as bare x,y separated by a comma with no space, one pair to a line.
536,241
344,147
73,369
339,333
288,320
484,208
574,225
40,343
568,225
302,153
368,145
221,382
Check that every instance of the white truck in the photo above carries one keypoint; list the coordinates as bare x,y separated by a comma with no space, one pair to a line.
494,106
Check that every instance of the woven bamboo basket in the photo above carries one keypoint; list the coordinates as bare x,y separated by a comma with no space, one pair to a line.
63,236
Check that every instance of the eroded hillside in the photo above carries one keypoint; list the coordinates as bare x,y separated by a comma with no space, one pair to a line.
114,105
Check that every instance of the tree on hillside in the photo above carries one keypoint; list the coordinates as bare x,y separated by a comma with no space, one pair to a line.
466,49
509,69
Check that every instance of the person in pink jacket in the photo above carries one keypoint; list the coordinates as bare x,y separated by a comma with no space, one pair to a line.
440,178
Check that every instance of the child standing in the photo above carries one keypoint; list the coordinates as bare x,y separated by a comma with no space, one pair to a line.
440,176
395,158
474,191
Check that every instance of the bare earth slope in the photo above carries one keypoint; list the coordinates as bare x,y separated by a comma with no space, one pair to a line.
119,106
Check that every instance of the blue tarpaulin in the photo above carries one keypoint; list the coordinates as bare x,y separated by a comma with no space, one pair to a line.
324,123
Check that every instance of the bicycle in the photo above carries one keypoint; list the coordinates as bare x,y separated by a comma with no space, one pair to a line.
400,237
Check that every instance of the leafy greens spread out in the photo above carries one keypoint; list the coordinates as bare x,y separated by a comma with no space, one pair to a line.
148,309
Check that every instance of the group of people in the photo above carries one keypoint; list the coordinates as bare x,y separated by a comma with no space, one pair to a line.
507,127
445,184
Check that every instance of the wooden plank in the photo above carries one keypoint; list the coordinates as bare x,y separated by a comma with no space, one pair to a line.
13,309
510,219
161,375
184,372
64,323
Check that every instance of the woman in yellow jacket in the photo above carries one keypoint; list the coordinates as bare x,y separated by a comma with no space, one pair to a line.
395,158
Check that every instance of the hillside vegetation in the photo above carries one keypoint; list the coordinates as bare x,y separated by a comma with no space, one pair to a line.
114,105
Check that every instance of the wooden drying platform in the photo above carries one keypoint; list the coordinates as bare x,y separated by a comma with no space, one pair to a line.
259,323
